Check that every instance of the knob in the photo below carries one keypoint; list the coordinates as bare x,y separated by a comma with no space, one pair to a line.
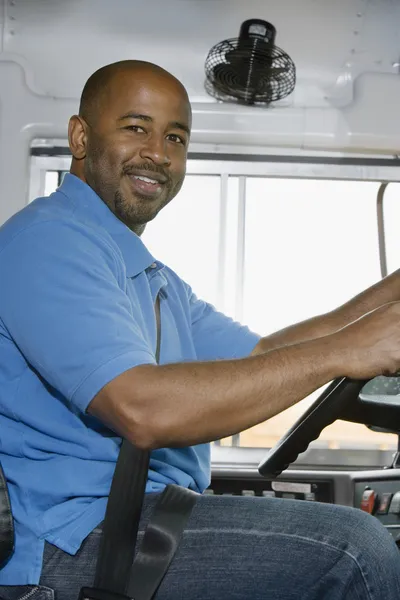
369,501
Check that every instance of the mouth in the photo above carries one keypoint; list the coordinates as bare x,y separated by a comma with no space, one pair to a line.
147,186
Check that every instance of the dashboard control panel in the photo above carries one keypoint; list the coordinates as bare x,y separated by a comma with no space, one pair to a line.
380,498
375,492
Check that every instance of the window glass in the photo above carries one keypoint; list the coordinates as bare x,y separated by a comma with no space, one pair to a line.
51,182
231,260
310,246
391,214
185,235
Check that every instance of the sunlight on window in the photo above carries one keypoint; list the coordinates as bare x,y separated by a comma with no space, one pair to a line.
310,246
185,235
228,304
391,212
51,182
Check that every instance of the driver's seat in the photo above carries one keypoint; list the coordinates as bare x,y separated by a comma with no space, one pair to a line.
7,536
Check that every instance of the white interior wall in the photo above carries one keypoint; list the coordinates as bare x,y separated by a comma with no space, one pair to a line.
347,54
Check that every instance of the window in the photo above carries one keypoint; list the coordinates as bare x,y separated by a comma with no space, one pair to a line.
51,182
310,246
185,234
272,244
391,208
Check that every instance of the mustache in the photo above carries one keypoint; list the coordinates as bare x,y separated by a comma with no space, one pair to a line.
150,169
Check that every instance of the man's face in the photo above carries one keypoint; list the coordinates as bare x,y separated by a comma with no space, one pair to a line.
136,149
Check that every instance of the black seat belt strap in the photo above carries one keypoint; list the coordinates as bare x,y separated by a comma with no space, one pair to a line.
118,576
124,506
160,541
121,522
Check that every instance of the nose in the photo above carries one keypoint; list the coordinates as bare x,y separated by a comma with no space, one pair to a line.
155,149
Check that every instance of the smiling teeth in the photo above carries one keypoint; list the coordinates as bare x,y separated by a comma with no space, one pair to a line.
146,179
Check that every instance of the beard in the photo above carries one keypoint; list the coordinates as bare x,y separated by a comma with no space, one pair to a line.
136,215
133,209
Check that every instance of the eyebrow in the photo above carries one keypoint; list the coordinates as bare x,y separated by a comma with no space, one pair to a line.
173,124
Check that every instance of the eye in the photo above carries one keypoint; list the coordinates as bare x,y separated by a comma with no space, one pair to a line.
173,137
135,128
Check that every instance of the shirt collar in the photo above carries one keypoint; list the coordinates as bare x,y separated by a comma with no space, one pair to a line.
135,254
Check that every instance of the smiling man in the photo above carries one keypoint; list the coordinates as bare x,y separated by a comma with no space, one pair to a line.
78,371
134,160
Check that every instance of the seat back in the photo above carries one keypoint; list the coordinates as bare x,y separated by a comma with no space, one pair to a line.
7,536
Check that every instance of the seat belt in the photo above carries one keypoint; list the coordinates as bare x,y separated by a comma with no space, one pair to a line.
160,542
117,573
121,523
7,534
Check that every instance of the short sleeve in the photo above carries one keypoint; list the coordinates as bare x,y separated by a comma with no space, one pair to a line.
217,336
63,304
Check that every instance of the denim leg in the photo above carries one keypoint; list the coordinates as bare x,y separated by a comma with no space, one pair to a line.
260,549
26,592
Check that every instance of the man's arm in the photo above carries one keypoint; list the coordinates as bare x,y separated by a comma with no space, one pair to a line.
385,291
190,403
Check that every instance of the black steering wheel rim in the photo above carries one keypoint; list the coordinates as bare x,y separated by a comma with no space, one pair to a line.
337,401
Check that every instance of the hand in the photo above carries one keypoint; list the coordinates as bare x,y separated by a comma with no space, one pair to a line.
370,346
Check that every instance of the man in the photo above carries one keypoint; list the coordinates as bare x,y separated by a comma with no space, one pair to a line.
78,370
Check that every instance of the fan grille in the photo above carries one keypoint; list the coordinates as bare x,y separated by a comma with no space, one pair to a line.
249,71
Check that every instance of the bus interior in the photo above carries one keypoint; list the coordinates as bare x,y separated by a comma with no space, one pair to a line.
296,188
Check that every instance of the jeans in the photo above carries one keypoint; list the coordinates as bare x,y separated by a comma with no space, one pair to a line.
253,548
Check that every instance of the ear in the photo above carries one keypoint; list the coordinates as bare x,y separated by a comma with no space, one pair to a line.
77,137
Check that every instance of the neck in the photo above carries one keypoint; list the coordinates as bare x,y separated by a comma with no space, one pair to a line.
77,169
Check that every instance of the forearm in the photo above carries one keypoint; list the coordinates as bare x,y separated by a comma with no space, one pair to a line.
384,291
187,404
313,328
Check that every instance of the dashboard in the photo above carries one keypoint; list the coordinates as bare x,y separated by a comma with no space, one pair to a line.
376,492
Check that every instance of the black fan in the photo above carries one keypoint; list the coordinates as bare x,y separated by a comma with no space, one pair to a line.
250,69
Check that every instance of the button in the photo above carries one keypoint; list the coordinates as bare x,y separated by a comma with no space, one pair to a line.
309,496
368,501
153,266
248,493
288,495
384,504
395,504
268,494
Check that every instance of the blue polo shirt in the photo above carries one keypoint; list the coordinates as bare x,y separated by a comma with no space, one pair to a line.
77,310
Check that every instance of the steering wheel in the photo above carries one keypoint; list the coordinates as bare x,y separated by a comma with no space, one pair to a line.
340,400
